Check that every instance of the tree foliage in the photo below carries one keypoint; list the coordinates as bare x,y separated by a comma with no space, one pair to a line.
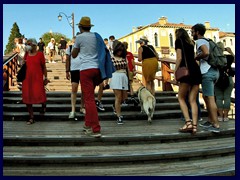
46,37
15,33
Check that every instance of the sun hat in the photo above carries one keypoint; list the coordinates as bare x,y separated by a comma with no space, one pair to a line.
85,22
143,38
33,40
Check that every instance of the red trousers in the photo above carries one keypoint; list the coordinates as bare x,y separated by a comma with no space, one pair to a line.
89,79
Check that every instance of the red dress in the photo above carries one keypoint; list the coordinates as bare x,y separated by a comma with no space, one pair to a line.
33,91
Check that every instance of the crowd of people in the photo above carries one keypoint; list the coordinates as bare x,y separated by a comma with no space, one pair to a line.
86,61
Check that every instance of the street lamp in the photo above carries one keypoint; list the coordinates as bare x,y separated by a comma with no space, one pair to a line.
70,23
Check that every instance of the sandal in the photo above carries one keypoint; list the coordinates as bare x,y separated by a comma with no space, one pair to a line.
188,127
82,110
194,129
30,121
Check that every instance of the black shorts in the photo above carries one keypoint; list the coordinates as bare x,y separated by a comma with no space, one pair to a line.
75,76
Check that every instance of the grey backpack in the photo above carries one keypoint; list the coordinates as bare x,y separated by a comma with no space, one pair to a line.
216,57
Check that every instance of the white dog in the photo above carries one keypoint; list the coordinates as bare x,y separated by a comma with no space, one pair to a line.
147,102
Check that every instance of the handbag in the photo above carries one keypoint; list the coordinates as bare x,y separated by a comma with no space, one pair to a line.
182,71
22,73
223,80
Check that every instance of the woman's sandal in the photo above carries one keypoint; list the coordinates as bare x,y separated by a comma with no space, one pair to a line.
30,121
188,127
194,129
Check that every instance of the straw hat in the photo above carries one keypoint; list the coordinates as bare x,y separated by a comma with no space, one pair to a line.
143,38
85,22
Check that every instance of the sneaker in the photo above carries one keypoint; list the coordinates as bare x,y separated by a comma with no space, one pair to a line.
71,115
205,124
220,119
93,134
124,103
86,128
135,102
100,106
213,129
114,111
53,62
225,119
106,87
200,119
83,110
119,120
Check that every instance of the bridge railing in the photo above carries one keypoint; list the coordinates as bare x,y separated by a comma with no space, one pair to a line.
10,66
166,77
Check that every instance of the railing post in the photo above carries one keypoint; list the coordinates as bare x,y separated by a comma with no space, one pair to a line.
166,76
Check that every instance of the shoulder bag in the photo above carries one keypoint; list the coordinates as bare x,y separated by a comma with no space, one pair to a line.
22,73
182,71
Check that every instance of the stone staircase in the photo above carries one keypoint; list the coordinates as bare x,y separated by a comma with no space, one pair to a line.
57,146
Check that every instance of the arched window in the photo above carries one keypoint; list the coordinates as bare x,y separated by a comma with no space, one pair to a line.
171,39
224,42
214,39
156,39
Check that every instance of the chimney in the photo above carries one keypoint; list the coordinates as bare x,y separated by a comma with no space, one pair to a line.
207,24
134,29
162,20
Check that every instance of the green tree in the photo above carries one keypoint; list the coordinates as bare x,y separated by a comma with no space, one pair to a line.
15,33
46,37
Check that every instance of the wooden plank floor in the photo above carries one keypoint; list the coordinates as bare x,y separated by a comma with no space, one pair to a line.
109,128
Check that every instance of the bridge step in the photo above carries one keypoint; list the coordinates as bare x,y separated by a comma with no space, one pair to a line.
57,133
214,166
136,148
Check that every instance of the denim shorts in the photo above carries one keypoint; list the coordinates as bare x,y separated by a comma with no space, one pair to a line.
208,81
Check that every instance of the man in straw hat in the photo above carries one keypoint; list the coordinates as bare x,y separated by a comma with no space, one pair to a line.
86,45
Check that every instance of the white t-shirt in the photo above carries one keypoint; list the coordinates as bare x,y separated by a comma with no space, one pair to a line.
51,45
75,62
204,66
88,54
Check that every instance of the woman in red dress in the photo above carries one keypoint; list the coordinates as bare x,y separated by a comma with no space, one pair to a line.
33,91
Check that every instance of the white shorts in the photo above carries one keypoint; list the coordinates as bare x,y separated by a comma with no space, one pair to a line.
119,81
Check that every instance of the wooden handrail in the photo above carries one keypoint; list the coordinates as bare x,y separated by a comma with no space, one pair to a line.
10,66
166,72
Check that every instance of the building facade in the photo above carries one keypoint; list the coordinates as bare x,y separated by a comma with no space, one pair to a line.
228,39
161,35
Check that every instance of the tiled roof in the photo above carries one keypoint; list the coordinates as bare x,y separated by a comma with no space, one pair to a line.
175,25
226,34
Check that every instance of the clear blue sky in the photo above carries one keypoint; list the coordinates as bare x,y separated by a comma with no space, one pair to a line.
118,19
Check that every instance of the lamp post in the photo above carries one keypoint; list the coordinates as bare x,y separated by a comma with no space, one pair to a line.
70,23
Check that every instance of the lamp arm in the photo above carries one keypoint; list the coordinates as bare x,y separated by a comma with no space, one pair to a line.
67,17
